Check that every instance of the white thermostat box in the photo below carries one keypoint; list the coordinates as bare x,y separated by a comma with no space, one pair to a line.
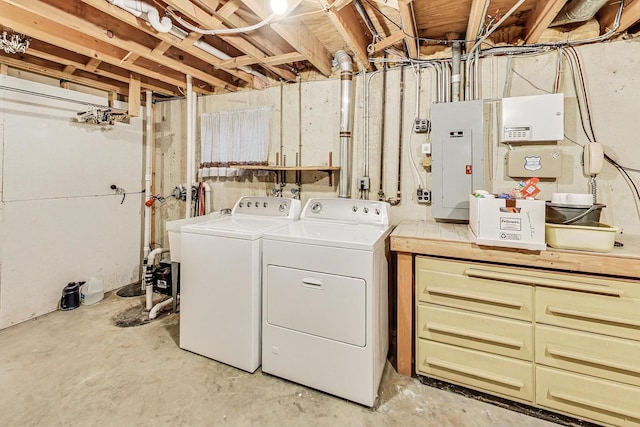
532,118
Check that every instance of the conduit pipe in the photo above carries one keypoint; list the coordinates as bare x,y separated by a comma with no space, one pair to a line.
190,153
455,71
148,173
346,77
160,306
148,276
578,11
137,8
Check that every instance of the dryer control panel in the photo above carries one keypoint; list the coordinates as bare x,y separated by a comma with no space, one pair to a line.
267,206
347,210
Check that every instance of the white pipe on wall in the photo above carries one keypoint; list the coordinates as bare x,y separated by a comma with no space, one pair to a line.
190,154
148,172
148,277
346,77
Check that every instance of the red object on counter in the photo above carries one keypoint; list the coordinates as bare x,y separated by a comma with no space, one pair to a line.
530,188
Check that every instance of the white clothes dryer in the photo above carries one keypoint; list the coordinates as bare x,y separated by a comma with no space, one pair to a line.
220,309
325,303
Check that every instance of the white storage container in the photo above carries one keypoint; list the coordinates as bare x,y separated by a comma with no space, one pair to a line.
596,238
92,291
512,223
173,230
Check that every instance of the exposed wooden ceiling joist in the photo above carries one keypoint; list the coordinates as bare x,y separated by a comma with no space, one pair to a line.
539,19
630,15
406,13
296,34
476,18
108,36
348,25
207,21
57,34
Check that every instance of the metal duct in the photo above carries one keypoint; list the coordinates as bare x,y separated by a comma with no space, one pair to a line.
578,11
346,77
455,71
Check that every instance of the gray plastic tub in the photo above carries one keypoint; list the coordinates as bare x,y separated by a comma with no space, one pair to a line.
572,214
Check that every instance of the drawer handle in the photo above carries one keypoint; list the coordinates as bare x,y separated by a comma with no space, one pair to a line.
495,339
481,298
595,405
568,354
489,376
312,281
542,281
592,316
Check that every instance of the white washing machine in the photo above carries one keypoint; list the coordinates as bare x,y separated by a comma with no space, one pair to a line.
220,289
324,303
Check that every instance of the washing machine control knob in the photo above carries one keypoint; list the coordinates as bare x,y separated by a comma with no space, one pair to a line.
241,204
257,205
365,210
316,207
282,207
377,211
354,208
265,204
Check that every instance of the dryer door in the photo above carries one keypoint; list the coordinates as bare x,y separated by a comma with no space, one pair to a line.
324,305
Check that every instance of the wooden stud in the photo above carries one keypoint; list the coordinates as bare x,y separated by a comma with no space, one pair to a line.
134,95
388,41
406,13
539,18
630,15
4,69
405,314
476,19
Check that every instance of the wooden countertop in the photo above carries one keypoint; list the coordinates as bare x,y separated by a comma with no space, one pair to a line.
457,241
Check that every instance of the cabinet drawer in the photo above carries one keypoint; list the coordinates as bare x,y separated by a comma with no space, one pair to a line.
495,374
596,399
583,352
448,283
482,332
609,315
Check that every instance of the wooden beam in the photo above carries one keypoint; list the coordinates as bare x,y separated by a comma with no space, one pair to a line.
630,15
294,32
285,58
476,18
57,74
406,14
69,69
185,45
134,95
347,22
4,69
47,11
388,41
203,18
161,48
389,3
92,65
55,33
540,17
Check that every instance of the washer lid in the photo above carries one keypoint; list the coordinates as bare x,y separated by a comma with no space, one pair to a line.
333,234
236,227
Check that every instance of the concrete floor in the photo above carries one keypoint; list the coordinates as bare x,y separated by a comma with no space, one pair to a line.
76,368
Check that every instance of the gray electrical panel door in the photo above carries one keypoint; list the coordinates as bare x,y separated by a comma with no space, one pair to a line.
457,151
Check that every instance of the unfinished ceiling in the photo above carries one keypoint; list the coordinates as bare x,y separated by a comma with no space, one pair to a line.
152,45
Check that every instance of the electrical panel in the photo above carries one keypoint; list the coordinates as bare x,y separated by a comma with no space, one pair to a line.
457,146
534,162
532,118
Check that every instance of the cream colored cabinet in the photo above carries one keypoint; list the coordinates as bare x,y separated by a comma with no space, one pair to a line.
565,342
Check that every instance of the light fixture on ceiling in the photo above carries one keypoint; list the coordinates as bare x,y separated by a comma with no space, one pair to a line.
14,43
279,6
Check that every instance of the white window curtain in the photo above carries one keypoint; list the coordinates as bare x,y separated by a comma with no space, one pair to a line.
233,138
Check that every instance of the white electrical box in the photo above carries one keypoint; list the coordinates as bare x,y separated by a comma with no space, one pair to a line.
532,118
538,162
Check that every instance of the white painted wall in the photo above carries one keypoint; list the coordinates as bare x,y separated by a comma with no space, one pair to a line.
612,84
60,221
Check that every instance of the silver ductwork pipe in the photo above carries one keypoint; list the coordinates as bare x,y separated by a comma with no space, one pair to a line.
578,11
346,111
